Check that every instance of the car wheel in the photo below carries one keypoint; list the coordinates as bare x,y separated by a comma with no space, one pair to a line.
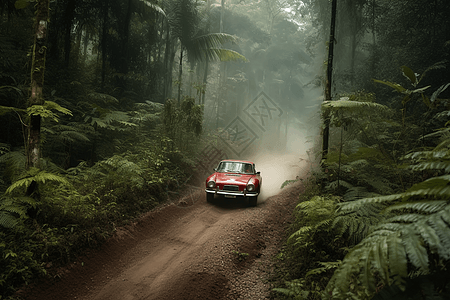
252,201
209,197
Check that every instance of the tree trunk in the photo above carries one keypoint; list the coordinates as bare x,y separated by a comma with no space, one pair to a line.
85,43
180,74
326,116
374,41
222,10
37,82
68,19
206,65
205,81
167,63
169,70
122,82
104,41
222,78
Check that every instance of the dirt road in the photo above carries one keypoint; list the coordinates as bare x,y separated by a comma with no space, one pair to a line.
189,249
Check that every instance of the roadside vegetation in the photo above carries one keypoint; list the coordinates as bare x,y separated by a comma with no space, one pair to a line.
71,209
374,222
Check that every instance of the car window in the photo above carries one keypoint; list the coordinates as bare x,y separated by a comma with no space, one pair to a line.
247,169
229,166
235,167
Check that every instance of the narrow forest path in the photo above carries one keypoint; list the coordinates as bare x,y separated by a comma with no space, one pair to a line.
186,250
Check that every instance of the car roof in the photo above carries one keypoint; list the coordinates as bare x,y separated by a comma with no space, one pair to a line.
238,160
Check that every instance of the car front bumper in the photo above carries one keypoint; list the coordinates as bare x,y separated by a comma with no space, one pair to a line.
232,193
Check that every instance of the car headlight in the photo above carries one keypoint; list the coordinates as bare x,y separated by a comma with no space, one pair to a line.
211,184
250,187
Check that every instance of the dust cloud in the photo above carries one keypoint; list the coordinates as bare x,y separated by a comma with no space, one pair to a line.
284,153
277,166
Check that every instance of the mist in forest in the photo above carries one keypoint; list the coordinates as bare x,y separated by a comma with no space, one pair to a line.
282,153
266,109
271,116
275,133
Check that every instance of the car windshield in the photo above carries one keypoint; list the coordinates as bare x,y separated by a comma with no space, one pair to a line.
235,167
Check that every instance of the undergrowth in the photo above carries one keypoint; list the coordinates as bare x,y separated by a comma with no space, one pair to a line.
302,271
374,221
76,209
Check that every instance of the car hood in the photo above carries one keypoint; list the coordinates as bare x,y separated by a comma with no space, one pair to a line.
232,178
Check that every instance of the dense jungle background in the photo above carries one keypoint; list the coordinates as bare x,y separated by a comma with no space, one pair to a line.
135,92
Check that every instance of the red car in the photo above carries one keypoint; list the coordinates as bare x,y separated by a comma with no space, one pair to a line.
234,179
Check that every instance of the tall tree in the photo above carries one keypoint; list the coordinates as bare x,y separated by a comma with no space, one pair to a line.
326,130
194,42
37,82
68,19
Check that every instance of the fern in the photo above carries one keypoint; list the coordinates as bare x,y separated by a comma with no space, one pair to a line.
7,220
146,113
326,266
100,98
423,207
45,110
13,209
423,287
70,134
122,165
404,244
358,223
13,164
35,175
334,185
347,110
358,192
316,213
384,254
288,182
7,109
4,148
295,289
110,119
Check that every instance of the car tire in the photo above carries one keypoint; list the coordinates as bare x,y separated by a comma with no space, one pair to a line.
209,197
252,201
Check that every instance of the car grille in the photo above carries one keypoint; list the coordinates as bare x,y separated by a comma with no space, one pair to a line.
231,188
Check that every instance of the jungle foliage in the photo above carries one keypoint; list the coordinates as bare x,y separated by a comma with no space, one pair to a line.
375,220
127,87
108,152
131,87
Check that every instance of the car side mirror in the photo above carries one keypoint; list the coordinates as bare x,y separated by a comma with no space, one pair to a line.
214,169
257,173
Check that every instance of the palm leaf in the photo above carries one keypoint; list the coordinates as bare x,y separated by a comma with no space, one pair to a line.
355,106
408,73
395,86
145,5
225,55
